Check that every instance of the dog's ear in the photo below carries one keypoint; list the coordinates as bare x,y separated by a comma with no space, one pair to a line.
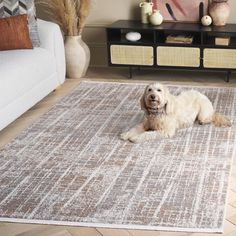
143,103
169,102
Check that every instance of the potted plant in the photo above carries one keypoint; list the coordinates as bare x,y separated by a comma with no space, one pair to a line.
70,15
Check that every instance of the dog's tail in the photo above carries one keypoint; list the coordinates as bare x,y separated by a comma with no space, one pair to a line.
220,120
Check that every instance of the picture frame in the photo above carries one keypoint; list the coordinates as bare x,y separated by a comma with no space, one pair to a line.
182,10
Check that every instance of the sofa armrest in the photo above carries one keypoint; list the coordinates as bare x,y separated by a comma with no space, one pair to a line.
51,39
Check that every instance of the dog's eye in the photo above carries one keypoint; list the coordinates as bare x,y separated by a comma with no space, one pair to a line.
158,90
149,90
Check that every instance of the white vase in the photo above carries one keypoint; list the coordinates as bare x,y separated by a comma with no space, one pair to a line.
77,57
219,11
155,18
146,8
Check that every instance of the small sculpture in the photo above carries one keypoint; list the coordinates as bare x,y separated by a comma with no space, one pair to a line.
206,20
133,36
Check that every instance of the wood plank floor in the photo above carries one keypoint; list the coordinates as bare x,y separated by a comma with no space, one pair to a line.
105,74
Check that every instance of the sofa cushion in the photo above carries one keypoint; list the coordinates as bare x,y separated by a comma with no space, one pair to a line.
19,7
21,70
16,33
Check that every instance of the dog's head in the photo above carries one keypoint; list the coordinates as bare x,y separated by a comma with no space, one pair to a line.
156,97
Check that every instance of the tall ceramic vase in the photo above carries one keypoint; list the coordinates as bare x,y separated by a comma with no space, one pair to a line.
77,57
146,9
219,10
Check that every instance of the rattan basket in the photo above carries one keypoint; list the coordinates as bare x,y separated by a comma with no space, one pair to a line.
131,55
178,56
219,58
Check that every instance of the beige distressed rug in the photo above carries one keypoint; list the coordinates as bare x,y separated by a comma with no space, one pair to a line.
71,168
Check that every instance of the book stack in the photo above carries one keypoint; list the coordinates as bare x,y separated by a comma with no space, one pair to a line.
224,41
180,39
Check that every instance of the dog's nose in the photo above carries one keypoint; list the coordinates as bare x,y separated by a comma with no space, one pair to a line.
153,96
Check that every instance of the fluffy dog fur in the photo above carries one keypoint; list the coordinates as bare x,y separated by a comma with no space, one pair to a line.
165,113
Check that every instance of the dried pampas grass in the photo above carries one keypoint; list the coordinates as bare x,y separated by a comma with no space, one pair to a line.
69,14
83,12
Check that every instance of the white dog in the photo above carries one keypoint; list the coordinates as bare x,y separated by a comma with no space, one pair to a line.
165,113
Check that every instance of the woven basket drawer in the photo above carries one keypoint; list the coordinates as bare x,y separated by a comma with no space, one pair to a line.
132,55
219,58
178,56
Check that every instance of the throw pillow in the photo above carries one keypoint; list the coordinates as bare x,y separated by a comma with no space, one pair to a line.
16,33
19,7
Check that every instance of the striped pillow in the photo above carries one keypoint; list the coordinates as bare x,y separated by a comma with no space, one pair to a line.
20,7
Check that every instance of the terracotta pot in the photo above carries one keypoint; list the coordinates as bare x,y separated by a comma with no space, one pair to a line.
219,11
77,57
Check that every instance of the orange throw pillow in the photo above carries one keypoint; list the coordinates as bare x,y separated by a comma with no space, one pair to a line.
14,33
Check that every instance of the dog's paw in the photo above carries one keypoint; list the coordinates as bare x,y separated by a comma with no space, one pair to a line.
124,136
135,139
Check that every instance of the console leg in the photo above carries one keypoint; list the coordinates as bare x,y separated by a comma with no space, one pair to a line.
130,72
228,75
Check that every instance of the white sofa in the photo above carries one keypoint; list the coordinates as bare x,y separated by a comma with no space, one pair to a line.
27,76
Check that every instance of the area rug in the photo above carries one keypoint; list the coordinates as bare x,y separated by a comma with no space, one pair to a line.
71,168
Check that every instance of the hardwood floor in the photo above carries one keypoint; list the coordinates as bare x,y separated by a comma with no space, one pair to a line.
108,74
